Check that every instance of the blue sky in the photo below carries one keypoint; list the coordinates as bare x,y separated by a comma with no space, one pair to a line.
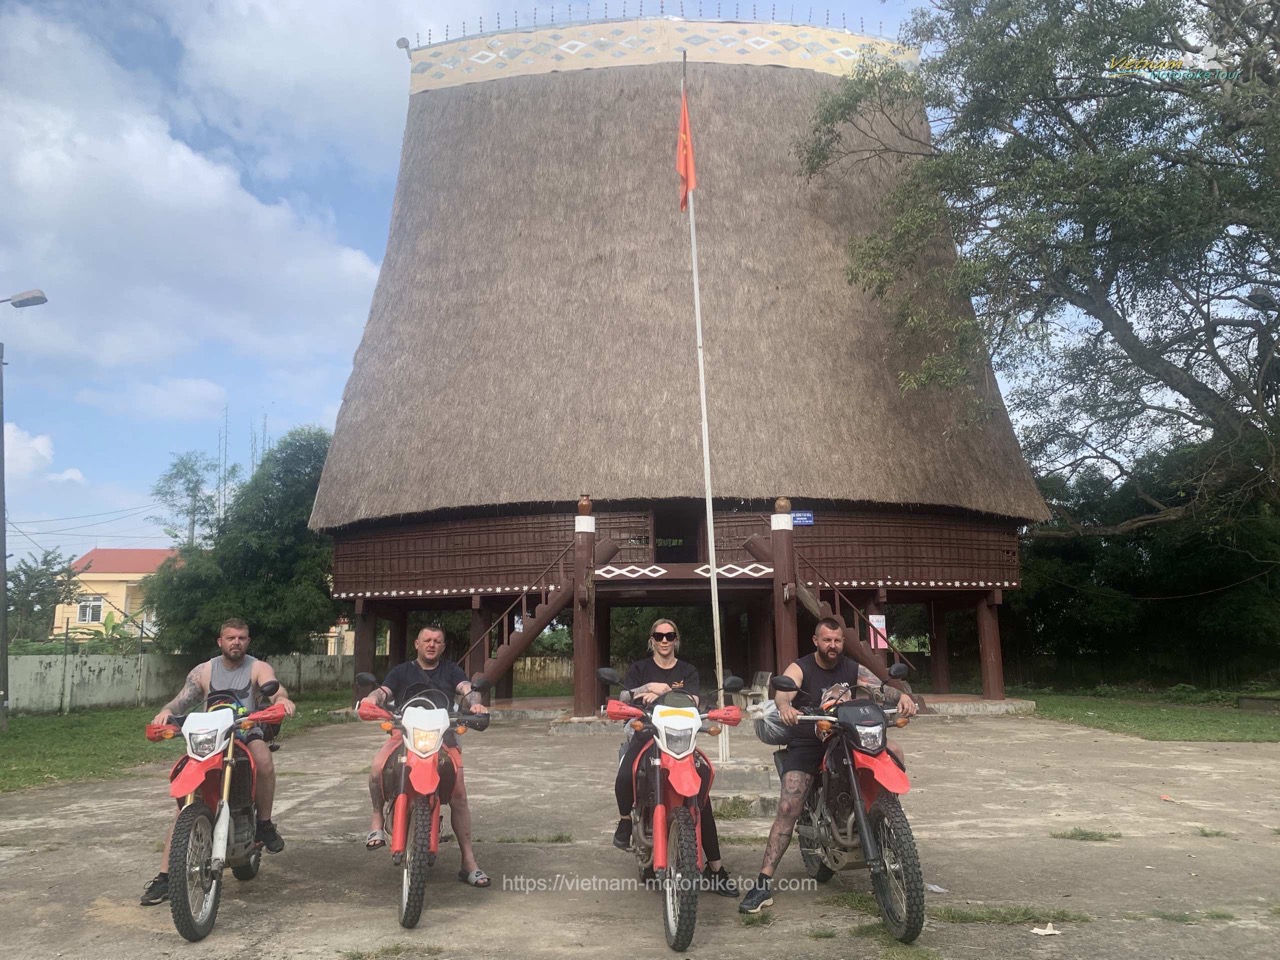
202,188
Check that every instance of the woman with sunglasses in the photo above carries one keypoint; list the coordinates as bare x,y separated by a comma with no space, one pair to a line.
645,681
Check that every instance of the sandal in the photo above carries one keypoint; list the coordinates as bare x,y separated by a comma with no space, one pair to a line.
375,840
476,878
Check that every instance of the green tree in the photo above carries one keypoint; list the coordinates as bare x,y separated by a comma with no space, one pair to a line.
37,585
1117,230
192,491
264,564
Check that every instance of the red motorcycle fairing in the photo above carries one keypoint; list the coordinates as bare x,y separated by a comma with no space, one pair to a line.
682,775
188,775
424,772
660,837
882,770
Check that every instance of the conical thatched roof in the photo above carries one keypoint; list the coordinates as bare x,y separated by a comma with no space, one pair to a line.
531,336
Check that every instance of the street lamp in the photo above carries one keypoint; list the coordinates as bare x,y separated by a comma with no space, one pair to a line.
28,298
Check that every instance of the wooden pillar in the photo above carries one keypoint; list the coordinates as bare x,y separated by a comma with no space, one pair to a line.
989,646
604,636
736,660
786,647
481,621
586,655
504,686
939,656
397,637
874,608
760,650
366,630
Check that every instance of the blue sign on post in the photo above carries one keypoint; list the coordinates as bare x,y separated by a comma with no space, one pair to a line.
802,518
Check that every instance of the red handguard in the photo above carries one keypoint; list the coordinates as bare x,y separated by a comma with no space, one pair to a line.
730,716
272,714
370,711
617,710
155,731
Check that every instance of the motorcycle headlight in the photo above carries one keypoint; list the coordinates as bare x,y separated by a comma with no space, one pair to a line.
679,741
426,741
871,736
203,743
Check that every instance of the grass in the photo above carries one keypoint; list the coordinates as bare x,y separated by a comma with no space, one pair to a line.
1206,832
852,900
543,688
1276,831
1219,915
734,808
761,919
823,933
553,838
1007,915
394,951
104,744
1155,719
1080,833
732,841
891,949
1275,911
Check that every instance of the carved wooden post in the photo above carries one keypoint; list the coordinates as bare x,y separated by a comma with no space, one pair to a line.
586,657
989,646
397,637
939,657
786,645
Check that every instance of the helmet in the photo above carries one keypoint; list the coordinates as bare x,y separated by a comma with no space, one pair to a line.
769,728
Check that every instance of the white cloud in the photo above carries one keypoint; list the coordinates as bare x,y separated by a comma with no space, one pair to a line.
169,399
297,83
70,475
147,248
25,455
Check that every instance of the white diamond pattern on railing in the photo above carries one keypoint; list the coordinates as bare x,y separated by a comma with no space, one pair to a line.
733,570
631,572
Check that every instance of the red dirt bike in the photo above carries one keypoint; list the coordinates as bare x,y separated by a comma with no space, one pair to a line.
217,823
668,797
417,782
852,818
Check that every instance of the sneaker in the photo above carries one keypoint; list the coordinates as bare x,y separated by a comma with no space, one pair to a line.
760,895
719,881
156,891
269,836
622,836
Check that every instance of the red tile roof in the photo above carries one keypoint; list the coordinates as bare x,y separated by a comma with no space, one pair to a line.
138,562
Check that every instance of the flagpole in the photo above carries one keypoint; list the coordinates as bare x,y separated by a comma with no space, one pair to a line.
706,455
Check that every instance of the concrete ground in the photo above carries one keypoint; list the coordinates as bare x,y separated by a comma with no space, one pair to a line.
987,794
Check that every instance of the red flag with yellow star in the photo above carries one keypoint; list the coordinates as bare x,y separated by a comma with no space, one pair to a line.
684,154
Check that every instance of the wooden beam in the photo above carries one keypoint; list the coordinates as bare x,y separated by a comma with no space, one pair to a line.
366,630
786,645
586,655
989,647
939,655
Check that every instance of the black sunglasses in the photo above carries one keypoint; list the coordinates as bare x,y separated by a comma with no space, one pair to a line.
663,637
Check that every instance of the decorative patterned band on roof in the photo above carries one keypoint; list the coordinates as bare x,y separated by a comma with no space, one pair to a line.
630,43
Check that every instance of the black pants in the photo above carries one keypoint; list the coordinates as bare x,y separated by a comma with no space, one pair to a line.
622,790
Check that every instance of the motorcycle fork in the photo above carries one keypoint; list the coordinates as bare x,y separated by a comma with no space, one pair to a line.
870,847
658,832
400,814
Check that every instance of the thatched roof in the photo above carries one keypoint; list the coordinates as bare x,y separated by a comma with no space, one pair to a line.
531,336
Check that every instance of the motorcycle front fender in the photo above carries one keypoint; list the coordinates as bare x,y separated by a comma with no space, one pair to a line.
682,775
424,773
883,769
188,777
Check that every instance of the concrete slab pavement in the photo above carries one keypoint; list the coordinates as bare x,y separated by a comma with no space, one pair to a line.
987,794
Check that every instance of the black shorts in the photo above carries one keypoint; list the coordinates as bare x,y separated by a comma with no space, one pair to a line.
803,755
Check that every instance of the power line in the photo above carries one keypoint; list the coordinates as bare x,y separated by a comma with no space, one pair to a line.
86,526
87,516
1182,596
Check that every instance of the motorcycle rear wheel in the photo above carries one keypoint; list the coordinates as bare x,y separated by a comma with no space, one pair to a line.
680,881
195,890
810,849
413,879
899,888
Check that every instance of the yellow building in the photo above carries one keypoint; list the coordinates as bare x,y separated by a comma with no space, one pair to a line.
109,584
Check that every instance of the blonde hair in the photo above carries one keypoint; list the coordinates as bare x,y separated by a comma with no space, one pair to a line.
671,623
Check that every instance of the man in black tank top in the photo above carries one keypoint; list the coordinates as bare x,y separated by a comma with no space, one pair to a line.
823,668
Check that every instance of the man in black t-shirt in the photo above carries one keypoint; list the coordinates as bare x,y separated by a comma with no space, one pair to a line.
429,668
823,668
645,681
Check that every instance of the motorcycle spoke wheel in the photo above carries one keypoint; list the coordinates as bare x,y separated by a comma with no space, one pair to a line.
413,877
680,880
899,888
194,889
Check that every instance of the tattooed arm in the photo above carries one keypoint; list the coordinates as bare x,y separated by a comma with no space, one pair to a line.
471,697
192,692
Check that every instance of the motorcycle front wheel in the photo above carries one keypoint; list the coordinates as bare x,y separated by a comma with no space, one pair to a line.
194,888
413,879
810,850
681,880
899,887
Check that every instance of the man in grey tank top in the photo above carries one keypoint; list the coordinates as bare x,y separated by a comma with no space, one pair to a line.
232,670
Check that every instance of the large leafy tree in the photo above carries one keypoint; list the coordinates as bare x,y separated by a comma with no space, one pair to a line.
37,584
264,564
1117,230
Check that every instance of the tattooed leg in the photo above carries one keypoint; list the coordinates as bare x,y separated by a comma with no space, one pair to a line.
794,787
